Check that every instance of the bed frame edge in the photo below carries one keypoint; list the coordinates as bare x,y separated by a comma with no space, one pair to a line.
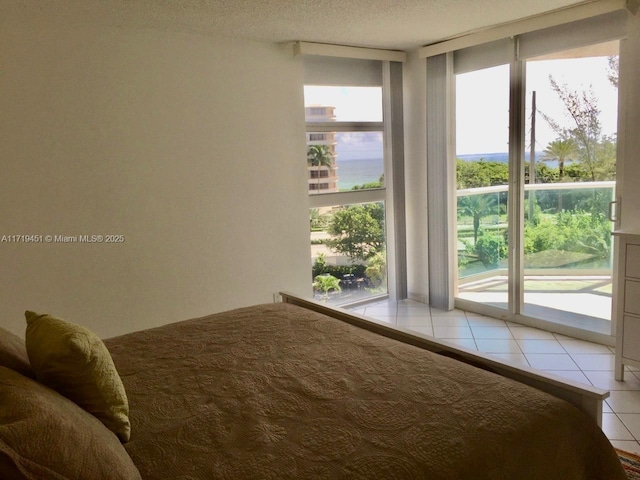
586,398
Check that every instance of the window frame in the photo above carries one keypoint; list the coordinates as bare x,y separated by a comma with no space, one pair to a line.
392,191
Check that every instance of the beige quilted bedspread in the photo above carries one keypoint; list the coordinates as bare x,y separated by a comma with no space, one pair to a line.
279,392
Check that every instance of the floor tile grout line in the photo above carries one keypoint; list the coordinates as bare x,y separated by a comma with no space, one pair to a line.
518,343
505,353
624,426
637,439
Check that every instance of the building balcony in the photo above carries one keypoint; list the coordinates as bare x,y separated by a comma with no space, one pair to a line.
568,255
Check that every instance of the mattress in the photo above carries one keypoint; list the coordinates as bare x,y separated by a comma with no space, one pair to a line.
277,391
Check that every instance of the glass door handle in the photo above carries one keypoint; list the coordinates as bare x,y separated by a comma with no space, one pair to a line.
613,211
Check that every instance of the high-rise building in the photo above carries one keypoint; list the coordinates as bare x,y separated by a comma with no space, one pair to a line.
323,176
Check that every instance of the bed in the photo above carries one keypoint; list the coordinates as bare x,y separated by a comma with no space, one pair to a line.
298,390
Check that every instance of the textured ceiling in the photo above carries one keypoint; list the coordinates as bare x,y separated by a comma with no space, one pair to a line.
394,24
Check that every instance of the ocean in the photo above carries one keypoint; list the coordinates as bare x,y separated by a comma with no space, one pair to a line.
357,171
353,170
502,157
359,158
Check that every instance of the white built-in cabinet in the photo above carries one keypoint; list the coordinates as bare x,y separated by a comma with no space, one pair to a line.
626,302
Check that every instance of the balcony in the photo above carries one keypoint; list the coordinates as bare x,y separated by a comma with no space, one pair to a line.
567,251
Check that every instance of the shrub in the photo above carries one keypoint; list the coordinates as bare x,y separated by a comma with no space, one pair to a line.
320,267
376,272
586,232
546,235
491,248
576,231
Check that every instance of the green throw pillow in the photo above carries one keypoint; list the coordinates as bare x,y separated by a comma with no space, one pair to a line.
73,361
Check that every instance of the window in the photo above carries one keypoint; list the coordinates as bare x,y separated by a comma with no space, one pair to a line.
346,170
317,137
321,112
318,186
348,240
320,174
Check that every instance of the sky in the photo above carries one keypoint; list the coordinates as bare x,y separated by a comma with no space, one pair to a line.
353,104
482,102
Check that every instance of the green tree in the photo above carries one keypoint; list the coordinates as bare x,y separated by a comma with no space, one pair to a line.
319,156
481,174
370,185
357,231
491,248
319,265
317,221
560,150
587,232
576,231
544,173
376,271
613,71
326,283
606,152
592,151
476,206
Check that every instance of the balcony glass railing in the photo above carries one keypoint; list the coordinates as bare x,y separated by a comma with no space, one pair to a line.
566,229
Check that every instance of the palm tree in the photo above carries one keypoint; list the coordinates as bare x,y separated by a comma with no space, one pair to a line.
319,156
324,283
476,206
560,150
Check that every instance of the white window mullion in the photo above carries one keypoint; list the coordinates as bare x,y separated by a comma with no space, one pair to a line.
517,91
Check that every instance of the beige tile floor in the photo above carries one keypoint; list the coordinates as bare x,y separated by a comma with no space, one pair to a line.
585,362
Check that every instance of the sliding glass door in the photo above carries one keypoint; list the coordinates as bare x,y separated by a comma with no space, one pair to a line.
482,179
535,153
570,128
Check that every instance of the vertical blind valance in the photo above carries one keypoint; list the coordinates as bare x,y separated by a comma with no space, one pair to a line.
599,29
486,55
561,16
336,71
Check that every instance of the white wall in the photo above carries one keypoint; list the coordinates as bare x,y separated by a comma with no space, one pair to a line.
190,146
630,102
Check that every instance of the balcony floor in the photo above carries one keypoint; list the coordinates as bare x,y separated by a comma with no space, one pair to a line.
582,301
582,295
